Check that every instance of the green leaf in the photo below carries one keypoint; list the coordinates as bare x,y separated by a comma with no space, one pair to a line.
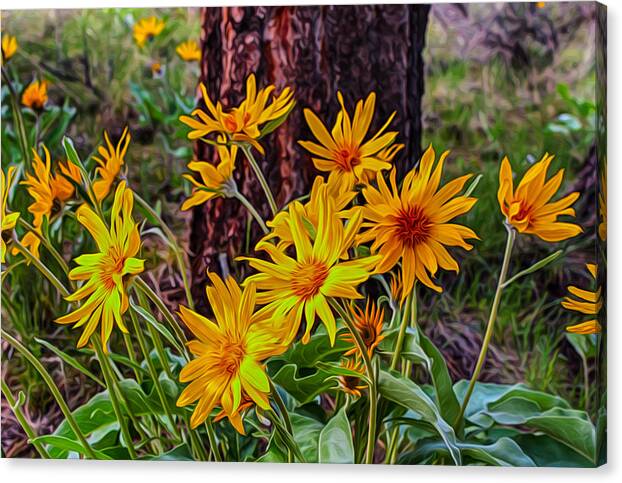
317,349
150,319
305,386
409,395
178,453
503,452
67,444
72,361
535,267
335,441
546,451
275,123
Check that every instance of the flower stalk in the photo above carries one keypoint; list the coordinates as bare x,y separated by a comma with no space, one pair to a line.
246,148
511,237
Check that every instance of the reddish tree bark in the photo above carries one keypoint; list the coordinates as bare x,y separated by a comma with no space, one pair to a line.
316,51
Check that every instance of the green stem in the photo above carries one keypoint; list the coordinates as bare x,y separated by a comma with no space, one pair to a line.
53,389
17,410
401,335
17,114
130,352
213,442
41,267
151,295
251,209
260,177
491,321
110,383
371,375
152,371
413,324
176,249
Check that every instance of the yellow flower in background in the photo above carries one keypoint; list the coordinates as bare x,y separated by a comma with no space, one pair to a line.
35,96
303,285
529,210
368,323
157,69
602,206
215,180
343,152
110,160
585,302
413,224
241,123
280,224
107,271
146,29
39,187
62,186
228,367
352,384
9,47
8,219
189,51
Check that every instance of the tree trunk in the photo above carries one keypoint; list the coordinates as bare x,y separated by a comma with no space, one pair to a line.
316,51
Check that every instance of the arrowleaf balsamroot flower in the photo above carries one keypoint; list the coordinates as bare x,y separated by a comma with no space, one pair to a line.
35,96
369,325
8,219
107,271
303,285
585,302
413,224
244,122
9,47
146,29
343,153
216,181
110,160
529,208
189,51
228,368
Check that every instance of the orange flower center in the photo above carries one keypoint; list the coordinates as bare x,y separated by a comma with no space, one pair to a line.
412,226
111,267
233,353
308,279
347,158
231,123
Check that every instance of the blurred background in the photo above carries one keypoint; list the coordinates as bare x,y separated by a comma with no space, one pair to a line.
497,79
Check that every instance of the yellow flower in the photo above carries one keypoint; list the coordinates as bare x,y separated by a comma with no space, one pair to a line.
310,211
8,219
146,29
9,47
157,70
228,368
106,271
189,51
215,181
241,123
110,161
62,187
35,96
303,285
352,385
586,302
343,152
528,209
602,206
369,325
413,225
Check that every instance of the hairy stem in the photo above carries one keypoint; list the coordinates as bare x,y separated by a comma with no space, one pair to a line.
260,177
